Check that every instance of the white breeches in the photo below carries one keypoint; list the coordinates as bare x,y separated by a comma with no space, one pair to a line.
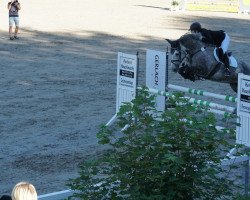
225,43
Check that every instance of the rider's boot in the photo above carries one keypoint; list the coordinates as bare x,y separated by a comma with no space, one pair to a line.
224,58
220,53
227,65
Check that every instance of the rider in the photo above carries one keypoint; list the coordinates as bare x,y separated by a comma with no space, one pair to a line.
218,38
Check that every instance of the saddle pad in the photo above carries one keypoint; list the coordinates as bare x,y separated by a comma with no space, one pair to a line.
216,57
232,61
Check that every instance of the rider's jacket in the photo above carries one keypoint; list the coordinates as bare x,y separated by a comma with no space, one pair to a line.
212,37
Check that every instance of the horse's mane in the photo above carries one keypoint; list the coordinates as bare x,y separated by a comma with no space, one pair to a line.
190,38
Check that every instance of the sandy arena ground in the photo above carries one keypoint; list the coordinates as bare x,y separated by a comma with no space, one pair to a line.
58,82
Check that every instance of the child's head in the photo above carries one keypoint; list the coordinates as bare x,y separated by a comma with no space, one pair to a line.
24,191
5,197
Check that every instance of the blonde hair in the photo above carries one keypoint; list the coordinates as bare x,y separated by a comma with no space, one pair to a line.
24,191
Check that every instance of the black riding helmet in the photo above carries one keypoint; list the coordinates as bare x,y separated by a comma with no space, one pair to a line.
196,26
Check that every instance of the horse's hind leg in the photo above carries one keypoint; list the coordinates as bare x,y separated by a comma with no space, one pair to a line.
234,86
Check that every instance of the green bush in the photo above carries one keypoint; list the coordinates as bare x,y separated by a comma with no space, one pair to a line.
175,3
166,159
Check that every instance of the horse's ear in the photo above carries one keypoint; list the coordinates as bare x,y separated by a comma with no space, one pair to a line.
173,43
169,41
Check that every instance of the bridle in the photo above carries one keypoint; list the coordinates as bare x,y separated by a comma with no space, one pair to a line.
202,49
179,59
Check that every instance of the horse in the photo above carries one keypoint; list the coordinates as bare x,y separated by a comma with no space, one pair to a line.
196,60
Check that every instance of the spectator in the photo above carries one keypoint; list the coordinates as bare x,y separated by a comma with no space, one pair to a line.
13,6
24,191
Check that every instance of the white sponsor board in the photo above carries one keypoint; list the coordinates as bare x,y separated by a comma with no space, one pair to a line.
156,74
243,110
126,78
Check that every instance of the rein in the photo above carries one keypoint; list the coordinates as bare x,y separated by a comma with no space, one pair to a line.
179,60
202,49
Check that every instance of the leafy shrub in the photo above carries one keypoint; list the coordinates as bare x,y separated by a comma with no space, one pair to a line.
166,159
175,3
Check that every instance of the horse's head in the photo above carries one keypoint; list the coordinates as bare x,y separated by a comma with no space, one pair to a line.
180,55
175,54
197,62
192,58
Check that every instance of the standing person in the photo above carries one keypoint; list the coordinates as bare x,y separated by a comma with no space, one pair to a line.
218,38
24,191
13,6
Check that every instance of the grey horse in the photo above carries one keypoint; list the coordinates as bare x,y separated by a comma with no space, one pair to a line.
196,60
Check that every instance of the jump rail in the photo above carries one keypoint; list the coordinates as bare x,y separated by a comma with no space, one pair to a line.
202,93
197,101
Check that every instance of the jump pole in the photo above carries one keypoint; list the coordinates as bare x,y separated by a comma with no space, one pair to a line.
194,101
202,93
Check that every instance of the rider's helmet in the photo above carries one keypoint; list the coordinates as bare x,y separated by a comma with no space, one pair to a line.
196,27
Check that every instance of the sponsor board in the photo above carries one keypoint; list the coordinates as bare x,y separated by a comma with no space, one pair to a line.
156,74
244,95
126,78
243,110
